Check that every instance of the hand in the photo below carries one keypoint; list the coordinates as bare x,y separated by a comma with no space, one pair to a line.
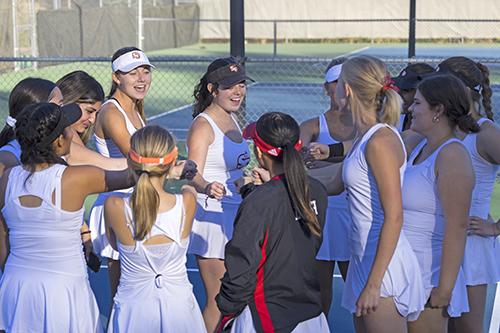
190,170
87,247
242,181
481,227
260,176
215,190
367,301
319,151
438,299
176,171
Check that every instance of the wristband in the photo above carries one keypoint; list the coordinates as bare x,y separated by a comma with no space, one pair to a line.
336,150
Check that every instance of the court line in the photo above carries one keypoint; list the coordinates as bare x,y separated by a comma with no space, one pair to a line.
352,52
495,314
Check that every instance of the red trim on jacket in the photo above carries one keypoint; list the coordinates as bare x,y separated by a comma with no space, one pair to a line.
259,298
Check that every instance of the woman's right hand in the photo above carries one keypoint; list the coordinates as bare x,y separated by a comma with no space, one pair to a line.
319,151
439,298
260,176
215,190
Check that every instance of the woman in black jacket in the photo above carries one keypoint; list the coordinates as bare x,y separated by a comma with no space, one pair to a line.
271,283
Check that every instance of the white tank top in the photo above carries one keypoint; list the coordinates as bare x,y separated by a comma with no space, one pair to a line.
45,238
154,267
364,203
107,147
486,174
420,194
225,162
14,148
337,201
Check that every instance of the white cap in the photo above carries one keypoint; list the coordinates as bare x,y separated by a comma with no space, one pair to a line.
333,73
130,60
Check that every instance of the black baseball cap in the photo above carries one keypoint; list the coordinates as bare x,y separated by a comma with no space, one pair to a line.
69,114
409,78
228,75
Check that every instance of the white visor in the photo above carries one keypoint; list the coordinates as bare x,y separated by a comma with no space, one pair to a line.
333,73
130,60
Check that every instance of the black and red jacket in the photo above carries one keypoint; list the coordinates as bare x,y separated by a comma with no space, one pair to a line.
270,260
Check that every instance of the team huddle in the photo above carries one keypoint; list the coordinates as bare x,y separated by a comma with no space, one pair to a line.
393,182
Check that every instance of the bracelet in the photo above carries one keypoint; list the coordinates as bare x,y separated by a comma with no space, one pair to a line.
336,150
85,232
206,191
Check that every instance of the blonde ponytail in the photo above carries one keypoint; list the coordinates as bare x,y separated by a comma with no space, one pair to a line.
391,108
145,202
147,144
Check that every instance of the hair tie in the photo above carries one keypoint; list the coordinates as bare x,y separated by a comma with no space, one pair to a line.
11,121
389,84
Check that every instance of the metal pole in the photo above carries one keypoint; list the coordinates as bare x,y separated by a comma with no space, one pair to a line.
275,37
412,26
139,24
34,41
14,35
55,4
237,28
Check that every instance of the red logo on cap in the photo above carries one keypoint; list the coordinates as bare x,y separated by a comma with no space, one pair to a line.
233,68
136,55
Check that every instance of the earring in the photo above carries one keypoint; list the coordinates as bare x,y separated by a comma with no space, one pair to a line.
435,119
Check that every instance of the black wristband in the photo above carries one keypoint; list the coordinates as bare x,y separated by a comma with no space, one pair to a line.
336,150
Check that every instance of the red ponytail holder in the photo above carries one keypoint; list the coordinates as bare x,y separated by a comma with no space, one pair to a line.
389,84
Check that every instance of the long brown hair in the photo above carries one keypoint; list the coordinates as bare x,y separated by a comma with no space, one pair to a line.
79,87
149,141
281,130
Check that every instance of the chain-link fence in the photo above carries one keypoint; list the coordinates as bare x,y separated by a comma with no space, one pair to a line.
288,85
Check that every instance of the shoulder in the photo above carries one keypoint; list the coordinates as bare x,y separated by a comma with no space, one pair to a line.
411,139
384,140
200,128
189,196
453,152
110,114
114,205
317,187
490,132
310,124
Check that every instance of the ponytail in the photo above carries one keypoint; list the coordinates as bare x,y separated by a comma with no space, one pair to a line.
298,188
467,124
486,92
145,202
388,107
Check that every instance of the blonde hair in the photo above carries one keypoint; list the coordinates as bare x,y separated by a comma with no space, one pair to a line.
366,76
153,142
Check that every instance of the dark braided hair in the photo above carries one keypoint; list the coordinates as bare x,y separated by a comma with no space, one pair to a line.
36,122
472,74
450,92
28,91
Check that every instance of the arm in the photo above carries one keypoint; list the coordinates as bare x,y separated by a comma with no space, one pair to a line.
242,258
4,231
114,127
7,161
385,156
487,143
455,181
189,196
114,219
81,155
411,140
200,136
309,131
89,180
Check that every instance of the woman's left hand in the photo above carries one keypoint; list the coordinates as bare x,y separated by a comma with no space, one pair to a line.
367,301
481,227
183,170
